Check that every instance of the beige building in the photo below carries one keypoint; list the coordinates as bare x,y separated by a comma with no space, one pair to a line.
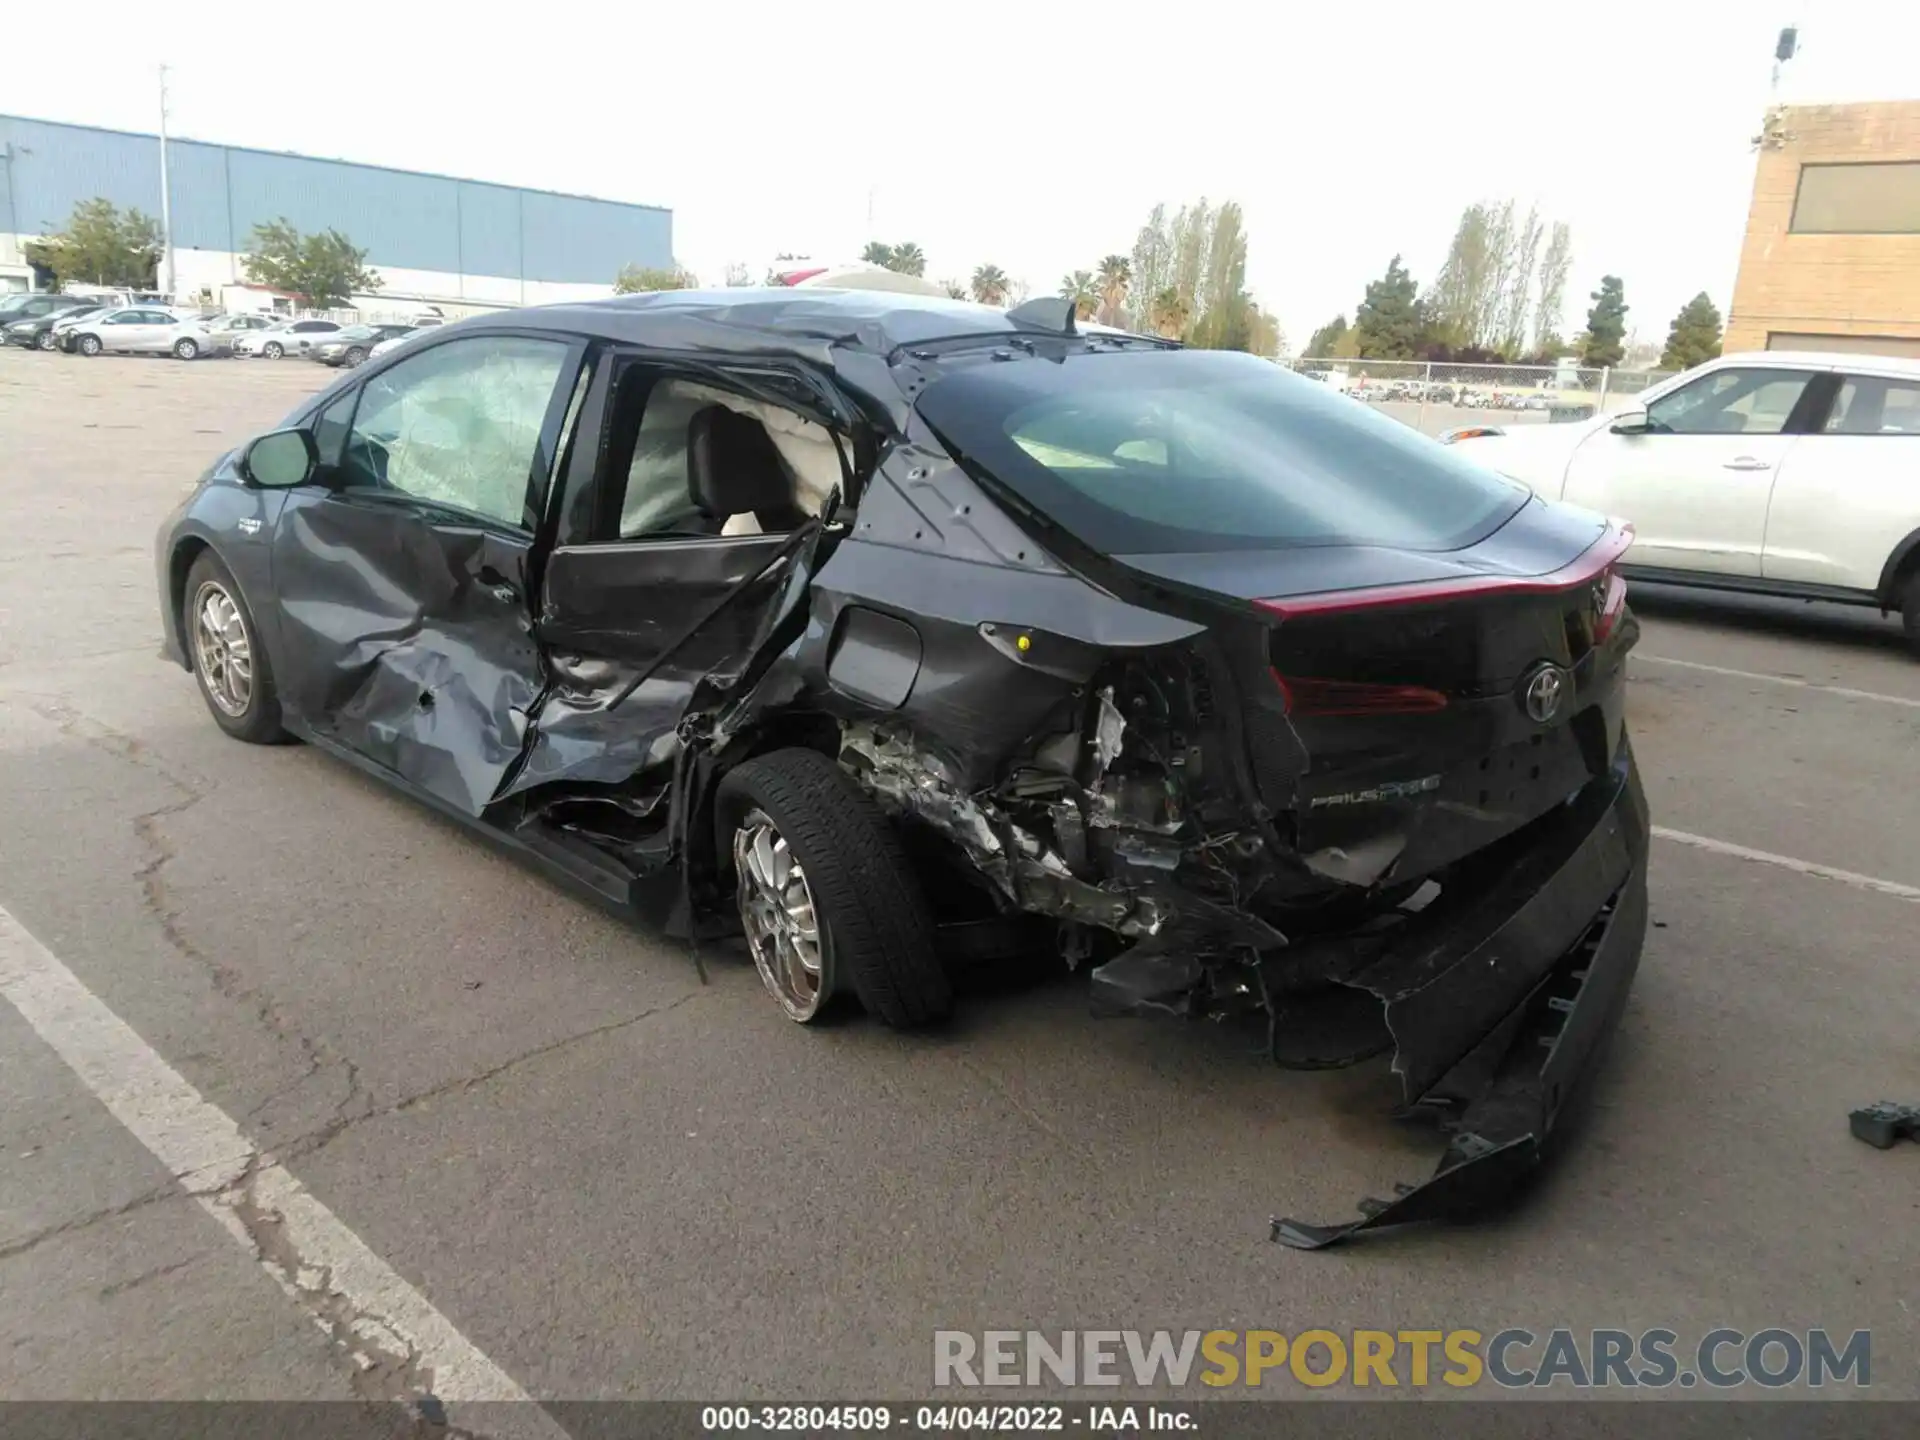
1831,259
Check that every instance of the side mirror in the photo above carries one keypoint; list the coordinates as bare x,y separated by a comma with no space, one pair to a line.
280,460
1631,422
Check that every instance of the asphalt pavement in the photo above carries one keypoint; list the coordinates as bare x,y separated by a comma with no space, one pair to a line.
609,1180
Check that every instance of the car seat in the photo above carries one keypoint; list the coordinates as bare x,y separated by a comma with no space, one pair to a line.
734,471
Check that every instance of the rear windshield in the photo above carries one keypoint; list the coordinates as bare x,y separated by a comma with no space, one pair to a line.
1168,451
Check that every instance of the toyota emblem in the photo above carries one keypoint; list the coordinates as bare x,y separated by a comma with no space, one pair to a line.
1546,688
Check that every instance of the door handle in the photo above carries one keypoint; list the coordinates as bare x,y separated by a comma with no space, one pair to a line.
1747,462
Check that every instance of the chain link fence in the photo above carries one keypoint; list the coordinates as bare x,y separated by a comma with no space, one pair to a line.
1435,396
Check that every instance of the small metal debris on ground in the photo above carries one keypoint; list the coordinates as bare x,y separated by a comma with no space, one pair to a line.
1884,1122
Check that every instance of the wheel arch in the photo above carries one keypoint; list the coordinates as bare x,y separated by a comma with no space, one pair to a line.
186,551
809,731
1901,564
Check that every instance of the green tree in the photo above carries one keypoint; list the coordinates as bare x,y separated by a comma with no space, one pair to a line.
1391,323
1694,336
324,269
1225,311
1170,312
1152,263
1554,266
1606,324
1083,290
1116,273
990,285
878,254
1322,342
102,245
640,279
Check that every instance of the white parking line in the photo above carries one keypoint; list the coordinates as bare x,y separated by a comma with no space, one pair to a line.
1787,862
366,1309
1841,690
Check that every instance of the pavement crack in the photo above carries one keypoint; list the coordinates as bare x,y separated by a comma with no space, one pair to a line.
150,828
107,1292
25,1243
1019,1106
381,1363
343,1121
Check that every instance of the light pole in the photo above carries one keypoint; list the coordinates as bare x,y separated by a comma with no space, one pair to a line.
166,199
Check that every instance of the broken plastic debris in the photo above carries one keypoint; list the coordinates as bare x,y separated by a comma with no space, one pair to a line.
1883,1122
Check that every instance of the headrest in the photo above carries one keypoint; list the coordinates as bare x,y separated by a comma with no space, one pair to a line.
733,466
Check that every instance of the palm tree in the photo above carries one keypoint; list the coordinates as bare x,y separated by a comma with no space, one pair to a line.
955,290
990,285
907,259
1081,288
1171,313
878,254
1116,273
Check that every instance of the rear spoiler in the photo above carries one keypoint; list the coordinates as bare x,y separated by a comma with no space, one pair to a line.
1589,565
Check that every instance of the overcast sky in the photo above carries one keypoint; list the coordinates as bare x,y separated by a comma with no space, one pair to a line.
1037,135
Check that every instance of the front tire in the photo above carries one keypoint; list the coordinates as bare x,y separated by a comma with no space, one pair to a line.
229,663
1910,611
827,896
44,340
89,345
185,350
273,350
355,358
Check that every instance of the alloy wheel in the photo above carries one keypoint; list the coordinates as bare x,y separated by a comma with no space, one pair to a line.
222,650
777,912
44,340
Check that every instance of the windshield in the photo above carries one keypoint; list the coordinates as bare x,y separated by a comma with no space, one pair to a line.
1162,452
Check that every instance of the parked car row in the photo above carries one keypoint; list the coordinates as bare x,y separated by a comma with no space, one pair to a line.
88,325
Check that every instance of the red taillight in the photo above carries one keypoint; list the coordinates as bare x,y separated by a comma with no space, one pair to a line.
1610,603
1352,697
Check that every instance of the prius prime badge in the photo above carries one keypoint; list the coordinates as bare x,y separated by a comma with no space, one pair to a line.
1545,689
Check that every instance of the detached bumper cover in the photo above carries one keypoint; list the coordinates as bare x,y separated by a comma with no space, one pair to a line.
1500,1009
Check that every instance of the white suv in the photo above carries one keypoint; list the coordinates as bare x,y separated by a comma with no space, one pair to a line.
1777,472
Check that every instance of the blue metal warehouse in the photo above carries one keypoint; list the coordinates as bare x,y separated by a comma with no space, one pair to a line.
432,237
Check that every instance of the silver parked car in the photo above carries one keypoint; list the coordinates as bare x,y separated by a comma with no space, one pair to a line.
143,330
288,337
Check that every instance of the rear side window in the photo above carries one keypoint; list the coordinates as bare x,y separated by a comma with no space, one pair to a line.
1162,452
1873,405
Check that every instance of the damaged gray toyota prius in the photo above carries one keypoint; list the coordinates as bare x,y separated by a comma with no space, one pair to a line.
893,629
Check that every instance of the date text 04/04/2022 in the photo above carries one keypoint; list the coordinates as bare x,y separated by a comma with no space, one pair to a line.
939,1419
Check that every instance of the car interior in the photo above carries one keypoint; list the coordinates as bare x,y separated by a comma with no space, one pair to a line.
701,461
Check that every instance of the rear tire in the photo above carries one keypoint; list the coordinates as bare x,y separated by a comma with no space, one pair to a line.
273,350
876,934
223,644
89,345
185,350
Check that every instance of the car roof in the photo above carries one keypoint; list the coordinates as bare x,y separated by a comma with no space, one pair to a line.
1856,362
774,317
